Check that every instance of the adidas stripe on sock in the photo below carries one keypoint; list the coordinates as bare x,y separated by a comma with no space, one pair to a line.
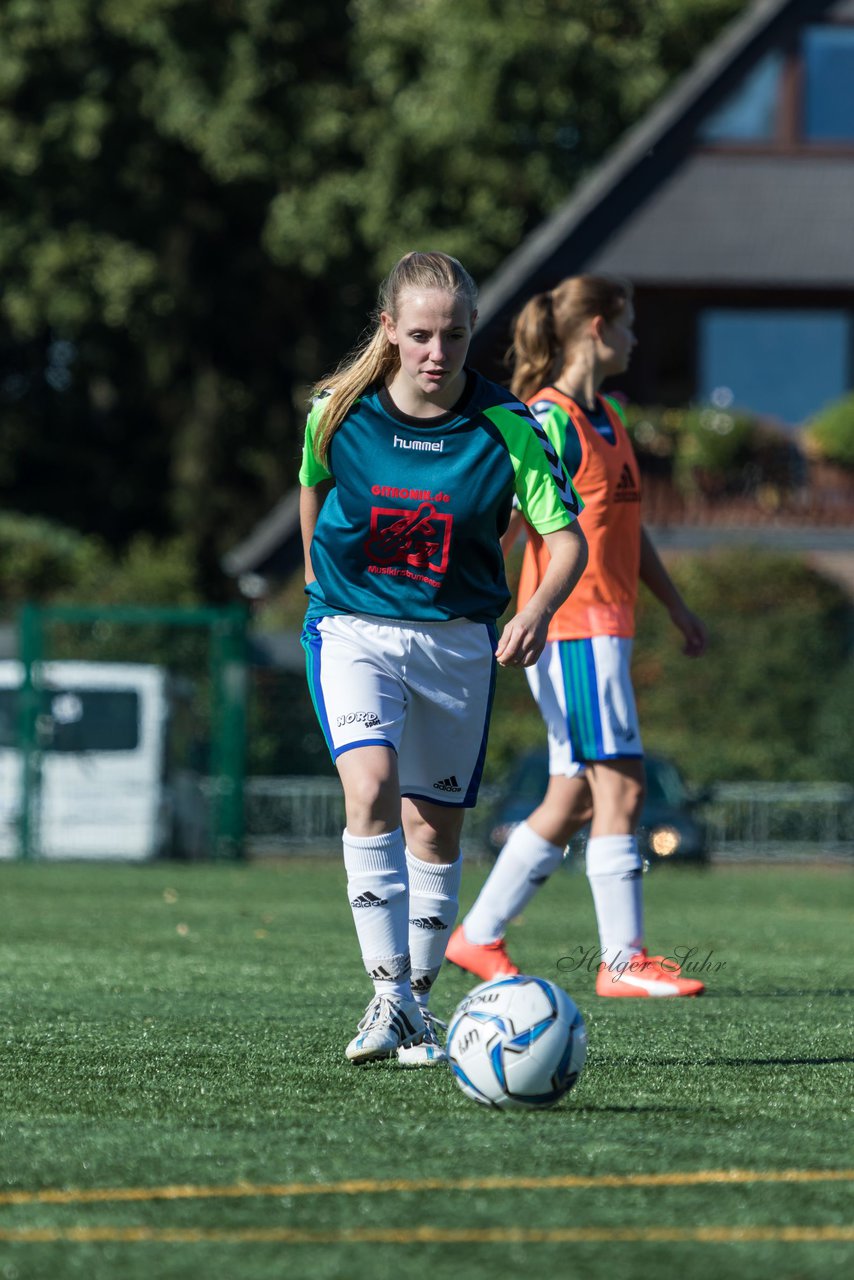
434,897
377,886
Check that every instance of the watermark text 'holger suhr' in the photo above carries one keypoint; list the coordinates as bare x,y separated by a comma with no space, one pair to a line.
682,959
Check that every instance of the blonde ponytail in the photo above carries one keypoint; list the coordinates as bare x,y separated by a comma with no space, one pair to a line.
550,323
535,346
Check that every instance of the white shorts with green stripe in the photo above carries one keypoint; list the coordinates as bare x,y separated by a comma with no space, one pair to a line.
584,691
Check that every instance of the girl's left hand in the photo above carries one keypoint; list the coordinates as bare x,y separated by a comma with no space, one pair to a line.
522,641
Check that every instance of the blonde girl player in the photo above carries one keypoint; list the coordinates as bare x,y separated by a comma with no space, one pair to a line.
410,469
566,343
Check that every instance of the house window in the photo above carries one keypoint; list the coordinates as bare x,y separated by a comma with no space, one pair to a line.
749,114
828,54
786,364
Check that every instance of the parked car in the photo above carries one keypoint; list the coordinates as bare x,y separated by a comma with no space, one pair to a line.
669,828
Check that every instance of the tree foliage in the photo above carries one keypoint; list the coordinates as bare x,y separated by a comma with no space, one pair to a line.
46,563
202,194
752,706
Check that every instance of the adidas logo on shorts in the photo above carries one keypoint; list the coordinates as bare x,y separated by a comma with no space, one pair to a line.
368,900
447,784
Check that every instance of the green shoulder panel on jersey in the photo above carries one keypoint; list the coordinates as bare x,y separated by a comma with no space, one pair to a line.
312,471
546,494
618,409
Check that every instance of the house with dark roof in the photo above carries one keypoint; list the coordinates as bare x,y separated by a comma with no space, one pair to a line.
731,209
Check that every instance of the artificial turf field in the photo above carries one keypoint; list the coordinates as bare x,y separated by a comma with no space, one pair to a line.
175,1100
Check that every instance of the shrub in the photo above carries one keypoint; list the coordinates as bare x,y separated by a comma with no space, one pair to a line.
714,447
832,728
830,434
39,560
747,708
714,452
654,433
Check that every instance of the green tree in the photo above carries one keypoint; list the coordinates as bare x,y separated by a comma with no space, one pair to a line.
40,559
45,562
200,196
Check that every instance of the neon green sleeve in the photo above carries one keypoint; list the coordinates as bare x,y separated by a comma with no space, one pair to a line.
547,497
312,471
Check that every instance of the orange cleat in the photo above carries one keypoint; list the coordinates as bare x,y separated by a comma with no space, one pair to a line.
643,975
486,960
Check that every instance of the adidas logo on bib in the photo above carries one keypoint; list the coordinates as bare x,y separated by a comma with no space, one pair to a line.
626,488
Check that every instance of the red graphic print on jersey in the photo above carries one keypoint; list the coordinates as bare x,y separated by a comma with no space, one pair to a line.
420,539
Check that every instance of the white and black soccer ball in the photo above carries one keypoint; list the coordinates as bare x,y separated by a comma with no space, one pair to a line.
517,1042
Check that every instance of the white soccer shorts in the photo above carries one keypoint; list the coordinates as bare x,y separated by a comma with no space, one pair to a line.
423,689
584,691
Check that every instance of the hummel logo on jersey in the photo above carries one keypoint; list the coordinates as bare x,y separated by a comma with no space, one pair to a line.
428,922
368,899
447,784
626,490
425,446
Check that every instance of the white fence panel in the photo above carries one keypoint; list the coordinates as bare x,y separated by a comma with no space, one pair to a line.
745,820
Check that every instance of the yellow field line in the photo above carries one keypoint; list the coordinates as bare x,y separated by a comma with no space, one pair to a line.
371,1186
430,1235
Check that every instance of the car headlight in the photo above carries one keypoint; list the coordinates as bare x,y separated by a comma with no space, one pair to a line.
664,841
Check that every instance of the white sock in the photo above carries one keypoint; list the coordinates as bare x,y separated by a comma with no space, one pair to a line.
615,872
434,899
377,886
525,862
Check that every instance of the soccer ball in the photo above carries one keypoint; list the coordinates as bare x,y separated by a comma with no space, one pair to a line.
517,1042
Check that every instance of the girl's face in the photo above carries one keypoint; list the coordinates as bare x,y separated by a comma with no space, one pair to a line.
615,341
432,332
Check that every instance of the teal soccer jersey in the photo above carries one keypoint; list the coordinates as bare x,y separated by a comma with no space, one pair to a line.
411,526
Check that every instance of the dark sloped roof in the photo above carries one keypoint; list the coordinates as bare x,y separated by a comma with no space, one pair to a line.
739,219
647,155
